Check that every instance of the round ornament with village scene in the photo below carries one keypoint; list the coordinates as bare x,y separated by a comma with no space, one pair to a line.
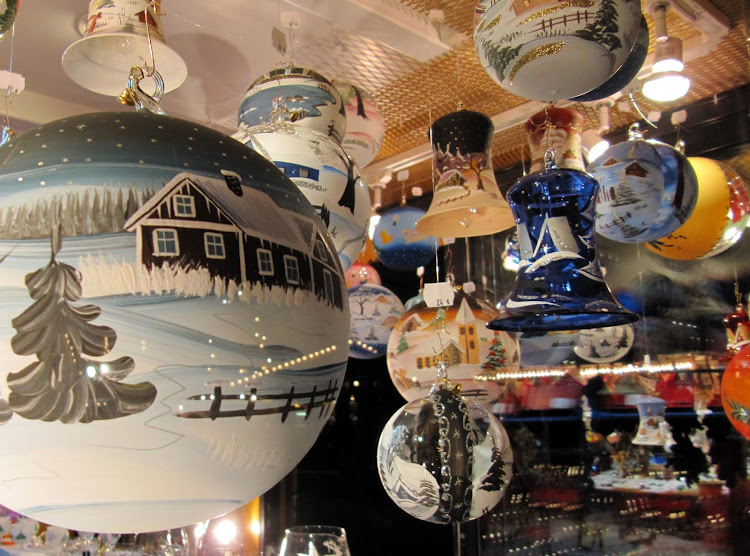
605,345
374,310
360,273
647,189
174,327
457,336
398,245
531,48
311,99
325,174
365,125
444,458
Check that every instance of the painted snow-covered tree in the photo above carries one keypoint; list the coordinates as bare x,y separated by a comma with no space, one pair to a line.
604,28
64,384
495,477
497,355
499,57
403,345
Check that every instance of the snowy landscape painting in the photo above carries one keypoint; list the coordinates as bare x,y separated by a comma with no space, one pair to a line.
150,380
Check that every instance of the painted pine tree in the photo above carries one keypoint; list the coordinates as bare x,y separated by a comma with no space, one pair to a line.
64,384
497,355
604,28
495,477
499,57
403,345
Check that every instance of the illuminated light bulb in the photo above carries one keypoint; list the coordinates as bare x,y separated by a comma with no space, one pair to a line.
225,532
255,527
666,87
91,371
261,346
257,319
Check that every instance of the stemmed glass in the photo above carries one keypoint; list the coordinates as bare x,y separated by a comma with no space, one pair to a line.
315,540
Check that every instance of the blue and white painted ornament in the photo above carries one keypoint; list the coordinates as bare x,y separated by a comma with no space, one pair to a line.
647,189
324,173
559,284
162,288
311,99
374,310
398,245
444,459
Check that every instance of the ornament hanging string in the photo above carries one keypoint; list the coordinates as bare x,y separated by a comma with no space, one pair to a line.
638,109
8,129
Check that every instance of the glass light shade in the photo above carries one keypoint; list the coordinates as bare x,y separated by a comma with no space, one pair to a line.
666,87
593,144
667,55
114,40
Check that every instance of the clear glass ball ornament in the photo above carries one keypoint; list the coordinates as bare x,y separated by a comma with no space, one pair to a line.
443,458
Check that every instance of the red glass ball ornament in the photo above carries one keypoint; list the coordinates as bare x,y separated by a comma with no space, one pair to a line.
735,391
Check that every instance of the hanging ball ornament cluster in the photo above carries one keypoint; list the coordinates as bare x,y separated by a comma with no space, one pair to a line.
164,287
444,459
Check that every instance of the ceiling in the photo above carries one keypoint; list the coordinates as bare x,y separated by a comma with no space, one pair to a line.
416,57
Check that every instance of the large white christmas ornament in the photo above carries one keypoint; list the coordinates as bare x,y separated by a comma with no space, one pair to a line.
374,310
313,101
456,336
532,48
365,125
174,323
443,458
325,174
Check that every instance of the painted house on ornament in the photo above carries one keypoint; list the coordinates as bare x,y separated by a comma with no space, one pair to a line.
236,232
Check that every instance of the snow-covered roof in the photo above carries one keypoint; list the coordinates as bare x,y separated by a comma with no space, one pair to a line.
255,212
423,349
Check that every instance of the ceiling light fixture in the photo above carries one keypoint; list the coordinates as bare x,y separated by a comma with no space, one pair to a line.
666,82
592,142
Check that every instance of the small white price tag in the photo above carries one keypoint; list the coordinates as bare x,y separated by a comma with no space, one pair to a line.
439,294
449,240
278,39
469,287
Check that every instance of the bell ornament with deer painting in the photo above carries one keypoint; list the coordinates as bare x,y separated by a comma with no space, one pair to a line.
559,285
466,201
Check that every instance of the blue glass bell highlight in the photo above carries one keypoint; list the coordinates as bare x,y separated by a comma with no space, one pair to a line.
559,285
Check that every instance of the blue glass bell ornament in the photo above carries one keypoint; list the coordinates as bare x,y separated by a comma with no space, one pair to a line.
559,285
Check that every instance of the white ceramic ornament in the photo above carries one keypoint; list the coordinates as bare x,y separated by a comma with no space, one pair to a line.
173,325
365,125
310,97
455,335
443,458
532,48
374,310
325,174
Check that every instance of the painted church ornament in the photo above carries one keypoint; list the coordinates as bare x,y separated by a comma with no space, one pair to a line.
559,284
444,458
647,189
175,323
466,201
735,391
312,100
365,124
532,48
398,245
456,336
719,218
324,173
374,311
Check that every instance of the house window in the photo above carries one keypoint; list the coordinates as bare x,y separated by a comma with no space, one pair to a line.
320,250
291,269
419,363
471,330
214,244
166,243
265,262
471,344
328,281
428,362
184,205
462,330
303,172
